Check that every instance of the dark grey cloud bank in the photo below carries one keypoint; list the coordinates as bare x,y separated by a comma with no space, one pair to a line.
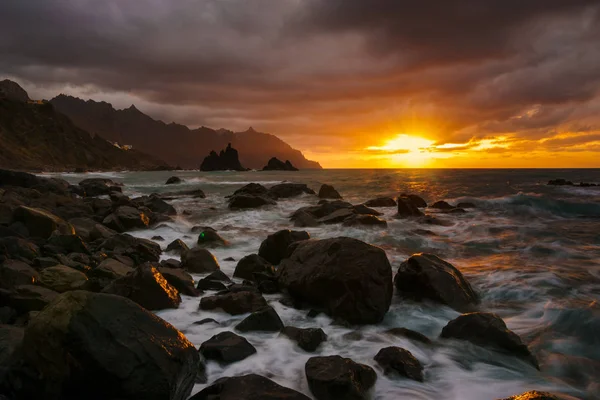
314,70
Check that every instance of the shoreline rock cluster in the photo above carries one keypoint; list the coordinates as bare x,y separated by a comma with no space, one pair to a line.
77,292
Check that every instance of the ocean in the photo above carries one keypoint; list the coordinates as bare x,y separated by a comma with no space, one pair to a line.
531,251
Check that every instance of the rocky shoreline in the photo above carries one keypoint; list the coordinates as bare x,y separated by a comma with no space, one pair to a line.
78,294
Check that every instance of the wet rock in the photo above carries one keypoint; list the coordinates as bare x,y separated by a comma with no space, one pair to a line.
324,208
307,339
155,204
275,164
41,223
398,360
180,280
250,264
218,276
406,208
328,192
170,263
18,249
336,378
361,209
147,287
305,220
410,334
417,201
25,180
534,395
214,281
26,298
365,220
114,337
209,237
488,330
14,273
199,261
227,347
11,339
177,246
426,276
266,282
275,247
158,238
286,190
442,205
381,202
337,217
126,218
253,387
139,250
106,272
229,259
99,186
64,244
234,303
7,316
254,189
265,320
560,182
173,180
350,279
244,201
45,262
237,288
206,321
61,278
466,205
119,199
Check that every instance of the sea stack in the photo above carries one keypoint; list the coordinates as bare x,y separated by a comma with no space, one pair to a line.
276,164
227,159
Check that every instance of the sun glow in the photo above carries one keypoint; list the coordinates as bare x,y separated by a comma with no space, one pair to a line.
407,150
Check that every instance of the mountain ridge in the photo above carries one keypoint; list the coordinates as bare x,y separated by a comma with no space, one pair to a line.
175,143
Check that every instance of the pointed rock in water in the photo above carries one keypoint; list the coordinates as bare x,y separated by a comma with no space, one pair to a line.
381,202
180,280
356,275
199,261
275,164
361,209
285,190
534,395
114,337
41,223
253,189
275,247
307,339
417,201
266,320
365,220
251,387
328,192
177,246
227,347
396,359
209,237
442,205
173,180
234,303
147,287
488,330
214,281
336,378
406,208
226,160
426,276
410,334
244,201
251,264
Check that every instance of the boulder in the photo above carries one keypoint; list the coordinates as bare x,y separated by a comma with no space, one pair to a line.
442,205
251,387
244,201
177,246
234,303
209,237
560,182
25,180
173,180
275,164
398,360
266,320
99,186
214,281
65,244
139,250
251,264
61,278
307,339
155,204
253,189
11,338
328,192
126,218
426,276
381,202
361,209
14,273
488,330
226,347
534,395
106,272
41,223
114,338
365,220
336,378
26,298
285,190
406,208
170,263
337,216
409,334
275,247
349,279
180,280
305,220
147,287
417,201
199,261
323,209
12,247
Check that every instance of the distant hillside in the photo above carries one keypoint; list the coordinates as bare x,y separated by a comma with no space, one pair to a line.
174,143
36,137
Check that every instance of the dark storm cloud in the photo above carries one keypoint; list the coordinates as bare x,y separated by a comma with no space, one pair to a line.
323,68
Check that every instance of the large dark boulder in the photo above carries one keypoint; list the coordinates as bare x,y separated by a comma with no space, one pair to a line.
234,303
381,202
337,378
226,160
398,360
126,218
177,246
199,261
285,190
417,201
226,347
247,387
337,216
180,280
253,189
535,395
90,230
361,209
65,244
173,180
266,320
307,339
214,281
99,186
139,250
244,201
560,182
155,204
328,192
208,237
23,179
26,298
488,330
14,273
409,334
275,247
442,205
41,223
106,272
349,279
406,208
251,264
97,346
11,339
147,287
426,276
321,210
12,247
61,278
275,164
365,220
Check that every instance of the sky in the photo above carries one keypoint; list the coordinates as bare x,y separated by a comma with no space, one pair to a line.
351,83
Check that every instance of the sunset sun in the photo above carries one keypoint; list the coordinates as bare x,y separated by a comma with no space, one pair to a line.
405,150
